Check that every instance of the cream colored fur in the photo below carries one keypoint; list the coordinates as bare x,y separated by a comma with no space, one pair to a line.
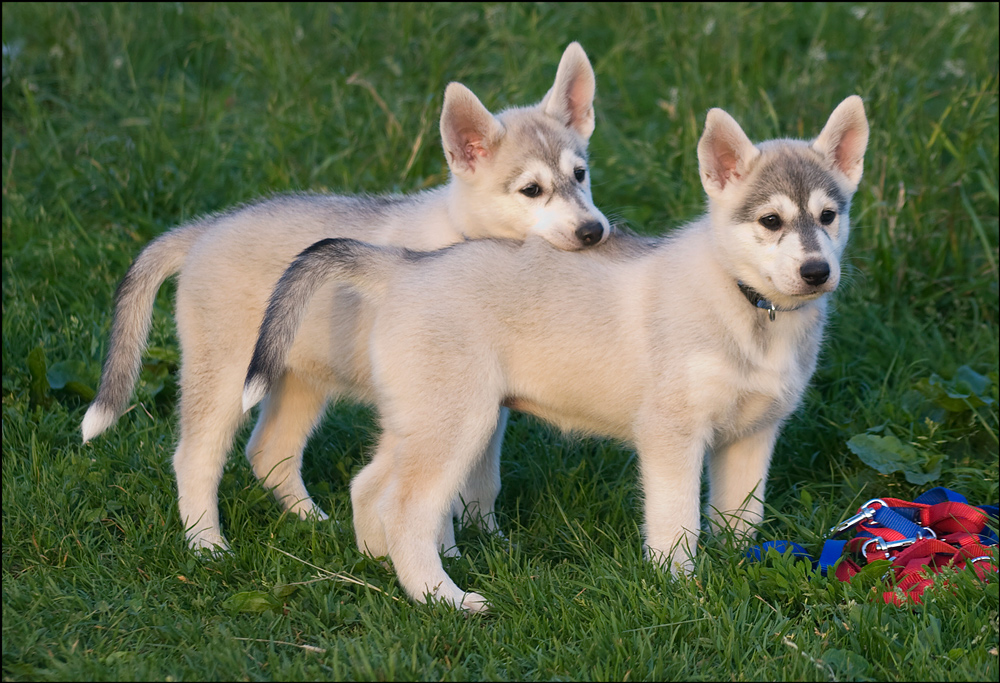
651,342
228,264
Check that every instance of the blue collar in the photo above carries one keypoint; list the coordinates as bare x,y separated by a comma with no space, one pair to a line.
754,297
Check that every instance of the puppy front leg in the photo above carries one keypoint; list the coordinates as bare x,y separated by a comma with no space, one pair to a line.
737,473
670,459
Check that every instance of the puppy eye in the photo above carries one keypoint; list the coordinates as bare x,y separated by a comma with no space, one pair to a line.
827,216
580,174
771,221
532,190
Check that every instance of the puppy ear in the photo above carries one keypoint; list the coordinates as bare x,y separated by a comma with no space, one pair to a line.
844,139
571,98
725,153
469,132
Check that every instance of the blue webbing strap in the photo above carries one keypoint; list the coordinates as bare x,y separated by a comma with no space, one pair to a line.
757,552
832,551
891,519
940,494
897,519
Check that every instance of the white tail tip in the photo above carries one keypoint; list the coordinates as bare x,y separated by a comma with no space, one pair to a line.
253,393
96,421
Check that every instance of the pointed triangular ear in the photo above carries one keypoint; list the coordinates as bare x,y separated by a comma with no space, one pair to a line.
571,99
725,153
469,132
845,138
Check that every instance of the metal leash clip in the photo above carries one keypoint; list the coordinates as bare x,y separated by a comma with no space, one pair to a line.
866,512
883,545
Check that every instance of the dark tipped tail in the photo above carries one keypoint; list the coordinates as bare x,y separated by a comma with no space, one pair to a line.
342,260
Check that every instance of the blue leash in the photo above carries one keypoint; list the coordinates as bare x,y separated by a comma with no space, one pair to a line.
899,519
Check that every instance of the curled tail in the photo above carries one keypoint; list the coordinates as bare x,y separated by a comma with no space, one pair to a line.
132,319
344,260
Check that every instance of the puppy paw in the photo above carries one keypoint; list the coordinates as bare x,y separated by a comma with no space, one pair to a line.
451,551
474,603
682,567
312,514
679,563
209,545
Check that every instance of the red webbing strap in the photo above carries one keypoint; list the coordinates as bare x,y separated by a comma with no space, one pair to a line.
864,546
962,539
846,569
956,523
913,579
960,516
909,589
927,548
979,556
952,517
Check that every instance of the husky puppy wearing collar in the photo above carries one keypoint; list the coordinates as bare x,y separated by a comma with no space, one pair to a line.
698,345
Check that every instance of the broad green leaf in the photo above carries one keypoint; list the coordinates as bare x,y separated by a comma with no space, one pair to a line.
847,664
885,454
965,391
930,637
167,356
158,380
283,590
81,390
66,371
969,381
38,391
921,478
919,407
252,601
72,376
871,574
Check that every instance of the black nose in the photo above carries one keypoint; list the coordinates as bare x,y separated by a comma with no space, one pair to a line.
815,272
590,233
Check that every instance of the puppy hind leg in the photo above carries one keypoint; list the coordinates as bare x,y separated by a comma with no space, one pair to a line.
207,421
476,503
287,417
446,537
366,489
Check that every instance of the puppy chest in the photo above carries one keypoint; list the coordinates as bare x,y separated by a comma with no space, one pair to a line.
739,403
748,412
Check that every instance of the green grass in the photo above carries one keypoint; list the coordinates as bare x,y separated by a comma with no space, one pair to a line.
121,121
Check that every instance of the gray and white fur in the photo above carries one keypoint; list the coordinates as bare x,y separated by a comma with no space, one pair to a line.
518,173
662,344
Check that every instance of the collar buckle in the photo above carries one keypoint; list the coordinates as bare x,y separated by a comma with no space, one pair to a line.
754,297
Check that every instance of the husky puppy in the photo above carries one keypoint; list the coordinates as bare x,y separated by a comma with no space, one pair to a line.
520,172
698,344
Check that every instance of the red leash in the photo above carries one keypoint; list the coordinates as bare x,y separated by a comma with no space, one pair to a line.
939,529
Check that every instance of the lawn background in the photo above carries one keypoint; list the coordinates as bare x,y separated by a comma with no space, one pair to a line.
120,121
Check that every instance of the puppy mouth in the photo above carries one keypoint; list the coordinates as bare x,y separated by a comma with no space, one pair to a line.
812,295
802,294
